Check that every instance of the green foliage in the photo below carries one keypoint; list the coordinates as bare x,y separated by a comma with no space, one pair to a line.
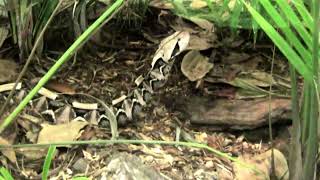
291,26
298,40
225,13
27,18
132,14
47,162
80,178
289,43
5,174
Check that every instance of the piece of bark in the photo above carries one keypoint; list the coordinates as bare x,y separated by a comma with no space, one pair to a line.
236,114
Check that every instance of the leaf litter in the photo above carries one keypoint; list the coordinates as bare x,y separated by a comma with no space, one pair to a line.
235,81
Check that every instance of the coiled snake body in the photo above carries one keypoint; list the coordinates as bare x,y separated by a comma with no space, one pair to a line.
156,78
128,107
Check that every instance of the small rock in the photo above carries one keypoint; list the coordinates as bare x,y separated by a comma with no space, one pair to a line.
80,165
126,166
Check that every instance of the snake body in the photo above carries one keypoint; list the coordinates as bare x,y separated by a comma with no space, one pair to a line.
156,78
128,107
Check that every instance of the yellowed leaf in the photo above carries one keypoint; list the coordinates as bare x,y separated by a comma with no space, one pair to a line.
9,152
198,4
262,163
60,132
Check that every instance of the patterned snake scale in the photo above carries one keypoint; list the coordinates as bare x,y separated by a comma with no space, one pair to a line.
128,107
156,78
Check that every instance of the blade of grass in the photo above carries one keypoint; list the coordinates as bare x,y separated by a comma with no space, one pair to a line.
309,168
5,174
282,44
235,17
47,162
296,22
304,13
80,178
305,114
66,56
288,33
45,12
295,156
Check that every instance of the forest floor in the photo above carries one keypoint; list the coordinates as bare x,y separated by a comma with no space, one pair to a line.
227,107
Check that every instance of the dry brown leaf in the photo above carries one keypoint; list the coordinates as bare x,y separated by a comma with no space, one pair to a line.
203,23
8,70
263,163
199,43
195,66
60,87
9,152
259,78
32,153
160,4
61,132
167,46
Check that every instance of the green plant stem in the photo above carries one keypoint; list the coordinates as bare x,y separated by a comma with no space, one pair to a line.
295,160
66,56
26,65
47,162
125,141
272,174
312,142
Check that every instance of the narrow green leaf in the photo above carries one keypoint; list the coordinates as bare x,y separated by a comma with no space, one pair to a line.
255,26
80,178
288,33
5,174
295,22
235,16
47,162
304,13
282,44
